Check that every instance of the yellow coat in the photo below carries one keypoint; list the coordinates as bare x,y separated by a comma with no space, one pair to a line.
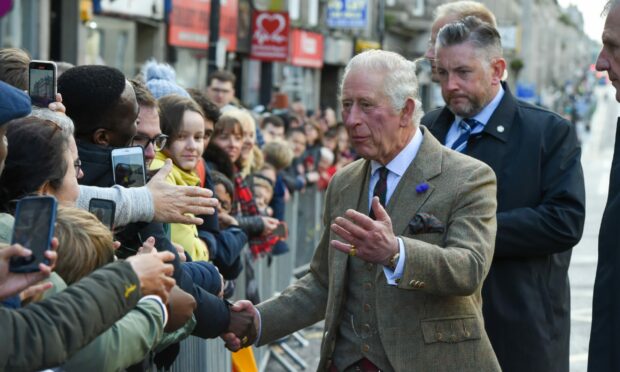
185,235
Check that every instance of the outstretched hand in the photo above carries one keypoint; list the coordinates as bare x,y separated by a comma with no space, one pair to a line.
370,240
172,203
13,283
243,328
154,273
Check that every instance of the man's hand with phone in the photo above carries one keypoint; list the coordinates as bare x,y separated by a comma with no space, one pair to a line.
13,283
173,202
154,273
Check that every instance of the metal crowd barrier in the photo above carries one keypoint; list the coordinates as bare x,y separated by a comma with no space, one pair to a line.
303,216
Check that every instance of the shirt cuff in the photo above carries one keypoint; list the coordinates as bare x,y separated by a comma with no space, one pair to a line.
164,310
260,327
392,276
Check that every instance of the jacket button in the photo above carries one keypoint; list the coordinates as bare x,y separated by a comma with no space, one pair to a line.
367,307
422,284
365,348
439,336
467,334
412,283
366,328
370,267
367,285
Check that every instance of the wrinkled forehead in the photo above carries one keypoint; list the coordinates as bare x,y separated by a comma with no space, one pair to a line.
362,83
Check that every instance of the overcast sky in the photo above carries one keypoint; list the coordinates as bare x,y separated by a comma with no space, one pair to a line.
591,10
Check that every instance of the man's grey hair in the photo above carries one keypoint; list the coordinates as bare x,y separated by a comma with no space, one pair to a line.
63,121
483,36
465,8
400,82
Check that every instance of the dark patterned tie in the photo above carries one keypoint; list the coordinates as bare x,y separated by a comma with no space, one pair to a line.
380,189
466,126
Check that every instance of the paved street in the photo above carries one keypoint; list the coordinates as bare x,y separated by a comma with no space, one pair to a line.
596,160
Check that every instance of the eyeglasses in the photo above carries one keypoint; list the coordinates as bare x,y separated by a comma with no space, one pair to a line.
159,141
78,166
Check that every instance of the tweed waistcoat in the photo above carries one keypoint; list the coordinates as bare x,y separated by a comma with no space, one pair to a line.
358,334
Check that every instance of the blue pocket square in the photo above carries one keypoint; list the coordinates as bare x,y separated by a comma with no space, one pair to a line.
424,223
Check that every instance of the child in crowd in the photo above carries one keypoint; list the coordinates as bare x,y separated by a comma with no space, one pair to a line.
262,187
326,168
182,120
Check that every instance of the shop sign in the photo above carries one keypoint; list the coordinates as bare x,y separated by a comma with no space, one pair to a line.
189,23
347,13
337,51
362,45
153,9
306,49
270,36
5,7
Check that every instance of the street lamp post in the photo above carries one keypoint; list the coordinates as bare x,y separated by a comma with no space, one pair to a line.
214,36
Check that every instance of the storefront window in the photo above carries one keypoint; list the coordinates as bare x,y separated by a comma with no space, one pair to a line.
191,68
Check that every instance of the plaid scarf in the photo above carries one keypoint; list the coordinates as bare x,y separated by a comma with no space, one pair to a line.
245,204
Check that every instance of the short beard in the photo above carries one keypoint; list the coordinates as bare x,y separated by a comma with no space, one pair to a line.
469,110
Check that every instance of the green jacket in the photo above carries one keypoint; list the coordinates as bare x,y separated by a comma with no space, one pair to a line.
126,343
47,333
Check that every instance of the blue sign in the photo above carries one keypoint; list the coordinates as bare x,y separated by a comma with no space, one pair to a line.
347,13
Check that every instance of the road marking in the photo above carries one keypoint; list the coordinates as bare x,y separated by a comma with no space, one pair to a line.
581,315
581,357
581,292
603,184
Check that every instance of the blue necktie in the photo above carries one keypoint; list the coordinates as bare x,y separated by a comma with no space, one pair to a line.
466,126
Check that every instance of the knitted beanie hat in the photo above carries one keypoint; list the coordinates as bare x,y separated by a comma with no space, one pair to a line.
160,80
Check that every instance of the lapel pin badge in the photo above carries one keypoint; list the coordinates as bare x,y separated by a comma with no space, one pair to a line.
500,128
421,188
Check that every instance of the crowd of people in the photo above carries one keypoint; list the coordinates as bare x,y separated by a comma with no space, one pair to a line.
219,177
446,237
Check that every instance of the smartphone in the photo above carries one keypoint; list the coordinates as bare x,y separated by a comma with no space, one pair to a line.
42,85
281,231
104,210
128,166
33,229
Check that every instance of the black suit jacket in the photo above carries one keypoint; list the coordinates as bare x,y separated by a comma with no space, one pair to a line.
540,215
604,355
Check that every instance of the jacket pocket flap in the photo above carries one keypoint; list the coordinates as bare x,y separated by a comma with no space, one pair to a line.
451,329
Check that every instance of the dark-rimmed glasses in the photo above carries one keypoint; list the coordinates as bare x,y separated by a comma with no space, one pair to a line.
159,141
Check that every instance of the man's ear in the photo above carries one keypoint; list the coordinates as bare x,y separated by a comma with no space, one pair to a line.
498,66
101,137
406,114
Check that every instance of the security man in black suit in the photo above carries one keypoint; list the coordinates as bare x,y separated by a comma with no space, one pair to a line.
540,189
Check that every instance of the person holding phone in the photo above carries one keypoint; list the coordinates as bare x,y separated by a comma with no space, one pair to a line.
43,335
157,201
95,97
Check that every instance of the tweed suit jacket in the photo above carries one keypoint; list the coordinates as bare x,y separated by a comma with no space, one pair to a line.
432,320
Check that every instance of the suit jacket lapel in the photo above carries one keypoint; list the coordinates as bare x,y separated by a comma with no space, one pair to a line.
406,201
500,123
442,124
353,195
